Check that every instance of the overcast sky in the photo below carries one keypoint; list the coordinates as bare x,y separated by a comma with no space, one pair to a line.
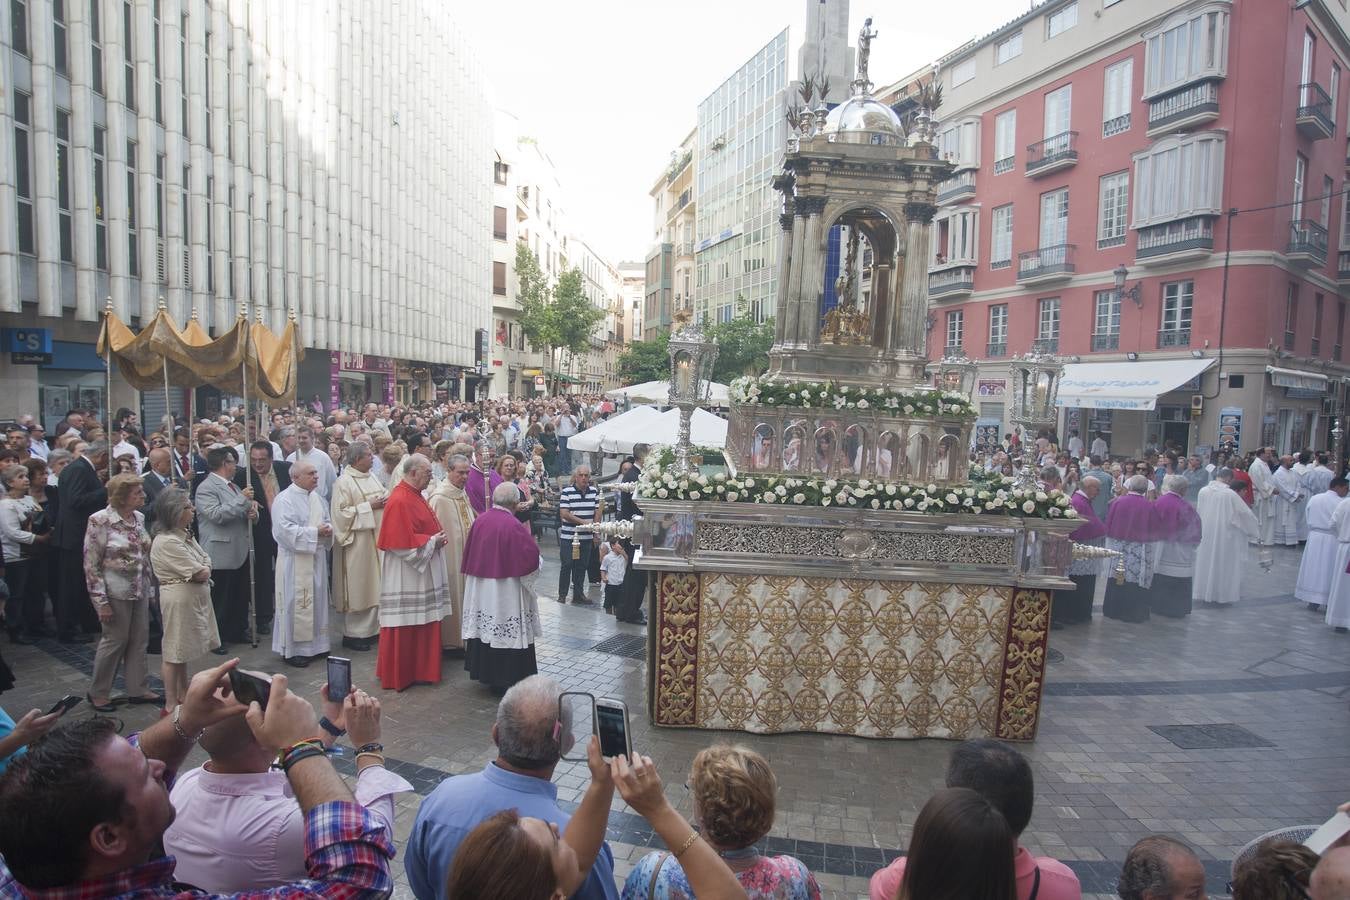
610,87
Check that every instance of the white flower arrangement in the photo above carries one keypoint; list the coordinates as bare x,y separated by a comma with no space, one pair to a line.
751,390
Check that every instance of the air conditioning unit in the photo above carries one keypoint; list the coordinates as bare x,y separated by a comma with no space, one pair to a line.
1197,405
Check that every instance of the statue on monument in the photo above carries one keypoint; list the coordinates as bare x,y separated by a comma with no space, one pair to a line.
865,36
847,322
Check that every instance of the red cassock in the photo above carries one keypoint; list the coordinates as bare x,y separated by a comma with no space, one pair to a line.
408,652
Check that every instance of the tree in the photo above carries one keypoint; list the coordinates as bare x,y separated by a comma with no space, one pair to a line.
536,303
646,360
742,348
574,315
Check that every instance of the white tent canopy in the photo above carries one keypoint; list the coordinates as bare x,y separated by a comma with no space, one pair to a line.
589,441
705,430
1125,385
659,392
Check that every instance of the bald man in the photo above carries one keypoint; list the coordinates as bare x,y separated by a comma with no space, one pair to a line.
304,535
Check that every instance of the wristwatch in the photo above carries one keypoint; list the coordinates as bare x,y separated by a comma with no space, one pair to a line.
178,729
332,729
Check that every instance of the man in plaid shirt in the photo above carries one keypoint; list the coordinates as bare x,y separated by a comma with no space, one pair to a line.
83,812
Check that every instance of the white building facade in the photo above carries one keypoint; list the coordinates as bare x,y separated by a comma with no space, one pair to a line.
326,158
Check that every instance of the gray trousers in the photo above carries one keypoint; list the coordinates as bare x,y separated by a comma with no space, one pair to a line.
123,642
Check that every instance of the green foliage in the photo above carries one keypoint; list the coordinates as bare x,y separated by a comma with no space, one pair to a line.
742,348
646,360
560,317
535,298
575,316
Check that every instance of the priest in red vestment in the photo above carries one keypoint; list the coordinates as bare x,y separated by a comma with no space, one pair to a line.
413,586
501,611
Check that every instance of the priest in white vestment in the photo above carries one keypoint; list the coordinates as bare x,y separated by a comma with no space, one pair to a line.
1226,525
1338,598
454,512
358,505
1263,494
1301,468
322,462
1318,477
303,534
1288,491
1319,553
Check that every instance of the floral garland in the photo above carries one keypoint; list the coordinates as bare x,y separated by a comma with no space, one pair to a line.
818,394
995,496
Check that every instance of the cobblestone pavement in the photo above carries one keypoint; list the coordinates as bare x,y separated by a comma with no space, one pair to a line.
1110,765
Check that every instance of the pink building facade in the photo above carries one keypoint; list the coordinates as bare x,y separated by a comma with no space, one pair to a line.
1095,138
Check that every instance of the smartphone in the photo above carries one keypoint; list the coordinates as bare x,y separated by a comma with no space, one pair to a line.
1330,831
66,704
611,723
339,678
250,686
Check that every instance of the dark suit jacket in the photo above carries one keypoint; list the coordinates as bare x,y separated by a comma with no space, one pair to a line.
263,542
80,494
153,486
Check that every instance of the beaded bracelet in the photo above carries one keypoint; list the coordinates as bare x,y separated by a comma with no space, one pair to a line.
379,756
372,747
688,842
290,759
299,746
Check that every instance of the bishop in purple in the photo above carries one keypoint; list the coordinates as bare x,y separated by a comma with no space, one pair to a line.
1131,527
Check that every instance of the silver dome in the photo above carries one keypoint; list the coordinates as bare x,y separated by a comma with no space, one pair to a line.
860,118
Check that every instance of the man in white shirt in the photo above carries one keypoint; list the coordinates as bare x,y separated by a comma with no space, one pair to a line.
322,462
1099,447
125,447
1075,445
564,426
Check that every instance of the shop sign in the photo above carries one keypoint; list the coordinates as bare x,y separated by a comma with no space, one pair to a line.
539,382
361,362
29,346
992,388
1230,428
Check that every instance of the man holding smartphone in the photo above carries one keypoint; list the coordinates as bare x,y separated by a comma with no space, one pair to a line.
85,807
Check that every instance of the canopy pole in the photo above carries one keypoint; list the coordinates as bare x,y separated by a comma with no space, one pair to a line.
248,482
107,372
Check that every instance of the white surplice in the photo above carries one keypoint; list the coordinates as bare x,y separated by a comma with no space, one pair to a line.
1338,598
1319,554
301,625
1263,499
1226,525
502,612
1301,504
1288,490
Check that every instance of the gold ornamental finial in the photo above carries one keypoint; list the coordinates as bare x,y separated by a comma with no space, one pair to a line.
162,304
290,314
682,315
108,306
194,314
243,311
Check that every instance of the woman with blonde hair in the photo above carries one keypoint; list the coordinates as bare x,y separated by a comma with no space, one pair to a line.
184,572
734,793
117,572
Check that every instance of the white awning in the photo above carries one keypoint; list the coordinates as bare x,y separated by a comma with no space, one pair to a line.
1125,385
1293,378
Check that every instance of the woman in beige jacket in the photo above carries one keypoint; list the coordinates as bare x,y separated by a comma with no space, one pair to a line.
184,572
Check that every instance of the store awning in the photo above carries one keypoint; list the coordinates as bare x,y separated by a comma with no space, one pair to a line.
1125,385
564,377
1293,378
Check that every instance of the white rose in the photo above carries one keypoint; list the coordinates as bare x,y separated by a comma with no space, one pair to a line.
780,491
749,482
1055,512
662,493
732,496
825,501
1070,513
990,504
769,496
890,490
876,504
798,498
904,489
909,502
721,489
909,409
702,480
792,396
864,484
1029,507
1041,496
983,495
840,497
932,489
952,498
694,495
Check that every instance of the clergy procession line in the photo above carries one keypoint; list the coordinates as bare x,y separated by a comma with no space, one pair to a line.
417,526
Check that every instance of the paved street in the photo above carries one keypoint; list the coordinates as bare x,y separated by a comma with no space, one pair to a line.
1108,769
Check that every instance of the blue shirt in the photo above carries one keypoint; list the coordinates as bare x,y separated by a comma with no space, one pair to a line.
6,729
456,807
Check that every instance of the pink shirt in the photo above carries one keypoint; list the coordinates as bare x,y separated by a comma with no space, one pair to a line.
1057,880
245,832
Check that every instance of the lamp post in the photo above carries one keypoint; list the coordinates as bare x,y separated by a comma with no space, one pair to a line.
692,354
956,372
1035,386
1135,293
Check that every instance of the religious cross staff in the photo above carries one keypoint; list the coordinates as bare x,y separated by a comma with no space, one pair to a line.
620,528
1088,551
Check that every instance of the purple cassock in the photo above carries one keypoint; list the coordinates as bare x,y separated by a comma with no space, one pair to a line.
1131,525
1130,518
1175,520
479,499
499,546
1092,527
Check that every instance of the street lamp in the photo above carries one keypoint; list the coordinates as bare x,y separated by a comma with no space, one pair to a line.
1035,387
1135,293
956,372
692,354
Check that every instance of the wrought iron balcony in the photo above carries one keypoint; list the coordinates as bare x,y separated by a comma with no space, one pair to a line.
1343,267
1174,337
1007,164
1102,342
1046,345
1307,243
1183,108
1172,241
1315,118
960,186
1045,264
1117,125
1056,152
952,281
994,351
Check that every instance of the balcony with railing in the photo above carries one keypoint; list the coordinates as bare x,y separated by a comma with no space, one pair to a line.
1046,264
1056,152
1183,108
1174,337
1116,125
684,249
1180,239
1105,341
1046,344
953,280
996,350
960,186
1343,267
1307,243
1008,163
1315,119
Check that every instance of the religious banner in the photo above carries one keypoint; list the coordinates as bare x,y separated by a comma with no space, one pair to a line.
992,388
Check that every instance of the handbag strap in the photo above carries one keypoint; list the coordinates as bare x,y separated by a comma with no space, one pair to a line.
1035,885
656,872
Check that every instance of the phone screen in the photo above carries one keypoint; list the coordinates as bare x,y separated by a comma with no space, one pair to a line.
248,688
612,723
339,678
65,704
